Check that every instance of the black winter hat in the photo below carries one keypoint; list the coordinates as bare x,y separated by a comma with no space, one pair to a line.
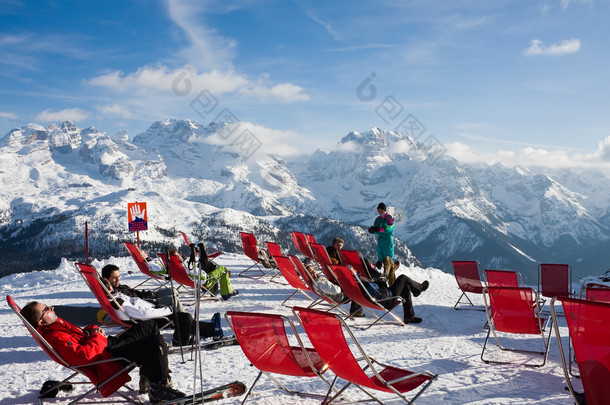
381,206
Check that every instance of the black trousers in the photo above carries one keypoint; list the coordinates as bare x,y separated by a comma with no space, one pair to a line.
404,287
143,344
184,327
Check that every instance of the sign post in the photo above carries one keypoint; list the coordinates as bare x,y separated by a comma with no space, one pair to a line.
137,218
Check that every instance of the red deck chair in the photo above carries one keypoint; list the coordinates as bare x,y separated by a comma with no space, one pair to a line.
118,367
589,333
286,267
300,241
250,247
312,286
263,339
514,310
597,292
468,277
274,249
355,290
138,256
321,256
554,280
354,259
112,308
327,334
503,278
179,274
310,238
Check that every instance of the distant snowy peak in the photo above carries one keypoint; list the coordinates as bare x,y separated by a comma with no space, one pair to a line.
376,141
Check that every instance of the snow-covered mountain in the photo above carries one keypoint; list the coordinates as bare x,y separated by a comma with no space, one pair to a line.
512,218
56,178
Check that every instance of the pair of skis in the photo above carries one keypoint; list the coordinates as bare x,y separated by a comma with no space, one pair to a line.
212,345
233,389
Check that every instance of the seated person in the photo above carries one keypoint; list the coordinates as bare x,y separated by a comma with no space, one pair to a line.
403,286
217,272
162,296
184,324
156,265
334,251
142,343
322,285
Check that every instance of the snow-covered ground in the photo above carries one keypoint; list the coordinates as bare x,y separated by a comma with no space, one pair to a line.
447,342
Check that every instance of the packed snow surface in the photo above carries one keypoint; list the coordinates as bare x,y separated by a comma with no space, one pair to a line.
447,343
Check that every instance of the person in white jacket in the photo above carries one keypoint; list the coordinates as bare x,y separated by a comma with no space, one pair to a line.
135,308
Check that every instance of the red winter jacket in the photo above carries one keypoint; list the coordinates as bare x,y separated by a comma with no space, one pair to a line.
78,348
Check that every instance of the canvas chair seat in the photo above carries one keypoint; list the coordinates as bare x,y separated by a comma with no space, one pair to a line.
468,277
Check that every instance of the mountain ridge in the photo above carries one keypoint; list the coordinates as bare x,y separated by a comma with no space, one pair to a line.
58,177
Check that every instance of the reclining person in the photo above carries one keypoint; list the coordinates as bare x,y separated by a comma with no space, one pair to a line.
403,286
162,296
212,269
321,283
184,325
142,343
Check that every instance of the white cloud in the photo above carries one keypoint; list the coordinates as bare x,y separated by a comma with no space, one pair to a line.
270,141
534,156
566,3
4,114
538,47
207,49
116,110
187,81
324,24
69,114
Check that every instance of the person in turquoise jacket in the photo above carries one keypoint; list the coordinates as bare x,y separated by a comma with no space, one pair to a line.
384,228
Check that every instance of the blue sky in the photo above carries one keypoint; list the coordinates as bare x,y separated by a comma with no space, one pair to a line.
512,80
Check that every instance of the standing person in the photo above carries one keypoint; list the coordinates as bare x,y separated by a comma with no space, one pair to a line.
334,251
384,228
141,343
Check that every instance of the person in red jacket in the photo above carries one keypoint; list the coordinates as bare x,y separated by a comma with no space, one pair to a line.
141,343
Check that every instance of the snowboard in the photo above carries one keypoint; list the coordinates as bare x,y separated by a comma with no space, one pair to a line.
233,389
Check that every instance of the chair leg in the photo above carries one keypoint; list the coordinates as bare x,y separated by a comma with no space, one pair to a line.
251,387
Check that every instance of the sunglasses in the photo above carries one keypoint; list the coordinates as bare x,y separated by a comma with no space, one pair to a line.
44,311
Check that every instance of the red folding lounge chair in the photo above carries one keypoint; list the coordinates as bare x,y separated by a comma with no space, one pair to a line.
355,290
321,256
312,285
354,259
179,274
514,310
250,247
597,292
300,241
144,266
503,278
327,334
118,368
468,277
263,339
554,280
286,267
589,333
103,296
274,249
